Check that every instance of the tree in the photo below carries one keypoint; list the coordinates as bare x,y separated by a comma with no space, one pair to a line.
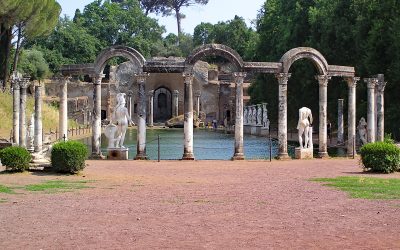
28,19
33,64
167,7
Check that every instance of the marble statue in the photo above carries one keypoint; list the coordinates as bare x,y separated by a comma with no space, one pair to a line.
362,130
122,119
254,116
245,118
259,115
110,132
305,121
265,120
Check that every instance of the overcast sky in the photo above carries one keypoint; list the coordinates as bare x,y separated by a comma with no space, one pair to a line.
213,12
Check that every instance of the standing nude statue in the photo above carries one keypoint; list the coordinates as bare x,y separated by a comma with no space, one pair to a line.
362,130
122,119
305,121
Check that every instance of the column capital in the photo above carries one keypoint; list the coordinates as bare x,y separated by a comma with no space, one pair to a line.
188,77
24,82
380,86
176,93
141,77
197,93
352,81
151,93
371,82
98,78
323,80
283,78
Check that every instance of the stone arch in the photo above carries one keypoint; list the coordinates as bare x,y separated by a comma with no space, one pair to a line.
304,52
214,50
129,53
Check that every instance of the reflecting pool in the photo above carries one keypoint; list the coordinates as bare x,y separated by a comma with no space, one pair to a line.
208,145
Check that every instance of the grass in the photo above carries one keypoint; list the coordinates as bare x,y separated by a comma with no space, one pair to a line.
365,187
6,190
49,114
57,186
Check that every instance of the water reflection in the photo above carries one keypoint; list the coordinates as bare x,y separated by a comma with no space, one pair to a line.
208,145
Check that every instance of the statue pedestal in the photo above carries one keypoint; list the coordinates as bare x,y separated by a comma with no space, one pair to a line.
303,153
117,154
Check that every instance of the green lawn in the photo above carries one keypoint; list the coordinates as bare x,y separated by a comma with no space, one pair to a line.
365,187
57,186
7,190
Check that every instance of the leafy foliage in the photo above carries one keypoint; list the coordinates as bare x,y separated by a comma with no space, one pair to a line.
346,32
33,64
15,158
69,157
381,157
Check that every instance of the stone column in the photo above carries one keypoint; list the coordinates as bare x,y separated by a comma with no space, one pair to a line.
323,101
340,136
96,125
282,119
141,117
351,120
109,111
380,103
22,115
239,152
38,140
188,118
151,108
16,109
129,104
371,83
63,116
176,103
198,94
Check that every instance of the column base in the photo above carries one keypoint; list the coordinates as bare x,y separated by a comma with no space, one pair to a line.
351,155
284,157
141,157
188,157
97,157
238,157
323,155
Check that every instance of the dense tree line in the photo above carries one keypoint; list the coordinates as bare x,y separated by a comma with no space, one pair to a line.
363,34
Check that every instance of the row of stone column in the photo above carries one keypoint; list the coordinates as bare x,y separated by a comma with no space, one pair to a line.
188,153
323,86
19,114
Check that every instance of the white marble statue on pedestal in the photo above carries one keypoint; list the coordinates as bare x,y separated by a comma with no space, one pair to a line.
116,132
362,130
245,114
254,116
305,121
259,115
265,120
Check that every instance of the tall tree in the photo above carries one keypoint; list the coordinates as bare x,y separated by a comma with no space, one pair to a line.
24,19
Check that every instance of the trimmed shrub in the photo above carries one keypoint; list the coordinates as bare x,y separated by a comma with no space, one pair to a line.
69,156
15,158
381,157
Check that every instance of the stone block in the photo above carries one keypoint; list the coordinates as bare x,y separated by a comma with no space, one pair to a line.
304,153
117,154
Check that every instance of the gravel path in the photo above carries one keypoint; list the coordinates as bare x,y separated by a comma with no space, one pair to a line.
198,205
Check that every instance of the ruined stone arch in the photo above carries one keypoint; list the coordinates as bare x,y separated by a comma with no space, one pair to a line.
214,50
304,52
129,53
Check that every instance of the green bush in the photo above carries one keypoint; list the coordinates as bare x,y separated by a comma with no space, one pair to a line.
69,156
15,158
381,157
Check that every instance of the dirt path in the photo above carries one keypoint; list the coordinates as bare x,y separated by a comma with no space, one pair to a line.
198,205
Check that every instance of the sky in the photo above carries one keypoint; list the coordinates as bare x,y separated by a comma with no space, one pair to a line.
213,12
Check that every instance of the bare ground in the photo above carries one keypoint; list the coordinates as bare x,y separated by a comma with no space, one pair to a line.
198,205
